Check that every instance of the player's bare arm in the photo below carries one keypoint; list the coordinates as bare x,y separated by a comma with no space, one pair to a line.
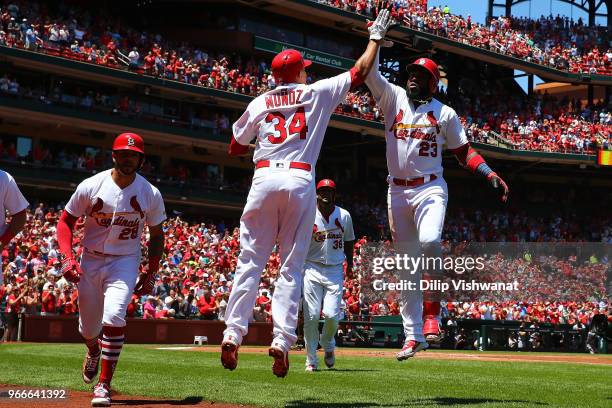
349,247
146,281
14,227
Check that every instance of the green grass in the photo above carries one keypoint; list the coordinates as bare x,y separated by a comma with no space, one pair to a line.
358,381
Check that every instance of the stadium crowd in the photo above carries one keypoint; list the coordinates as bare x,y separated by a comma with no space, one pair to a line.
527,125
62,160
553,41
196,275
539,123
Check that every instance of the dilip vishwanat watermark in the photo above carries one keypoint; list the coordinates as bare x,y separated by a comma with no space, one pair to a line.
389,268
444,286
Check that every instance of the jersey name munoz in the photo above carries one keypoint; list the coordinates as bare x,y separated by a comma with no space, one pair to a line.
415,137
328,236
115,217
289,122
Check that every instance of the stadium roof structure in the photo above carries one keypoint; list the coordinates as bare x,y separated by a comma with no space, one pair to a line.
322,14
591,7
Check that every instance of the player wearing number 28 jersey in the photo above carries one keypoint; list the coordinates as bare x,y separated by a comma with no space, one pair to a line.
288,124
116,204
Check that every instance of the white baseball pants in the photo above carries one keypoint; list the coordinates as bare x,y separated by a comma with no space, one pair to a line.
280,206
322,285
105,290
416,217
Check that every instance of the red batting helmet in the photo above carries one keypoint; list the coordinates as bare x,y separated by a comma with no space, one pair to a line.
129,141
286,65
429,66
326,183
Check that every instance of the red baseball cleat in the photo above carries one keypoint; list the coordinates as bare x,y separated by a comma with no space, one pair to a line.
431,329
280,367
229,353
411,347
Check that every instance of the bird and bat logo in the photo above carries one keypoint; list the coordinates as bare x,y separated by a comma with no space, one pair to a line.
120,218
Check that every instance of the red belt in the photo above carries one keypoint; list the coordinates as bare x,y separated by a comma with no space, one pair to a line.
413,182
91,251
292,165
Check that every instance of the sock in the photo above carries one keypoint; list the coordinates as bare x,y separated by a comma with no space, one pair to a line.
93,346
111,343
431,309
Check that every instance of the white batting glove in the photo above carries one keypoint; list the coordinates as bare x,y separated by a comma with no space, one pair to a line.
378,28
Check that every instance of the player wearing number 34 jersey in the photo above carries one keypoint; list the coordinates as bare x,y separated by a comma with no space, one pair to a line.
288,124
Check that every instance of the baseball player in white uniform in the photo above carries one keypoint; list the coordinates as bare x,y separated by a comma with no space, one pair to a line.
116,204
331,244
13,202
289,124
417,125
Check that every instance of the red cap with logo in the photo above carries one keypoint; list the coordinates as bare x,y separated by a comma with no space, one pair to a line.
129,141
286,65
428,65
326,183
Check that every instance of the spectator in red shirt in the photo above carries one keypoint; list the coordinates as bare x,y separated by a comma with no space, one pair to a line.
66,302
264,299
50,301
207,306
13,308
133,306
352,303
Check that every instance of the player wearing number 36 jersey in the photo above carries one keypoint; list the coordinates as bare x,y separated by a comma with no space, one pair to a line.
331,245
288,124
116,204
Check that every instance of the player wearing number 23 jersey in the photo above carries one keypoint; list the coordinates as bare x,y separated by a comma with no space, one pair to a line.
417,126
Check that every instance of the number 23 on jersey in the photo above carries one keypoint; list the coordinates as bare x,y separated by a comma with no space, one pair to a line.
297,125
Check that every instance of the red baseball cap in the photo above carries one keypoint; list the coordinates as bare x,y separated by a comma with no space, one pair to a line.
129,141
326,183
287,64
428,65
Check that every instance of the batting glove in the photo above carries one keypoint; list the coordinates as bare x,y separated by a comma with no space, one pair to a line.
496,182
145,284
378,28
71,270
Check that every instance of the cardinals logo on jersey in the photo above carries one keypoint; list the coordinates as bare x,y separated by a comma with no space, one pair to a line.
123,218
398,119
432,119
320,236
136,206
337,222
403,131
